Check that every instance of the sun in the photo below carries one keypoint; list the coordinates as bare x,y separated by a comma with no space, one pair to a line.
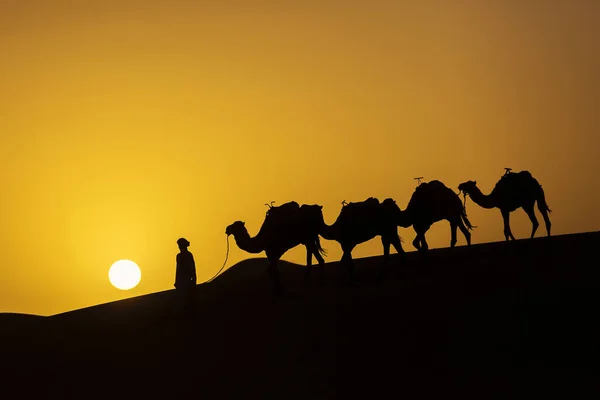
124,274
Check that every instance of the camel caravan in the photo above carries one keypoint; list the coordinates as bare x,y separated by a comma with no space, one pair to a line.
291,224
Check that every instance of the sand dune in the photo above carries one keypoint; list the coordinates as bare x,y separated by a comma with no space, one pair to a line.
500,318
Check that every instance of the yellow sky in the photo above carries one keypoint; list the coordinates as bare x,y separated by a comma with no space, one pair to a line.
127,124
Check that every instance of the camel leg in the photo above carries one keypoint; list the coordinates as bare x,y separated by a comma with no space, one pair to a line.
417,241
453,239
349,263
395,241
385,241
424,245
421,237
506,217
273,271
309,254
312,250
420,243
464,230
546,220
321,262
531,214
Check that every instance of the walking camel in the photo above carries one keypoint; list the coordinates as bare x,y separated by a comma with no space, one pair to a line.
284,228
514,190
360,222
432,202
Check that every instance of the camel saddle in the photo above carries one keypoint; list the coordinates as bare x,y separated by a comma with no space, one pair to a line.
513,178
427,187
284,211
370,203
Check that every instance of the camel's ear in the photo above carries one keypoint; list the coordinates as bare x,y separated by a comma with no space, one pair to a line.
474,182
320,207
243,223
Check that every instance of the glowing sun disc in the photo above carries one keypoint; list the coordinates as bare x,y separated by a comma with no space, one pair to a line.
124,274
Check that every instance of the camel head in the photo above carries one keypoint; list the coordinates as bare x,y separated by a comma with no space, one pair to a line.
467,187
236,228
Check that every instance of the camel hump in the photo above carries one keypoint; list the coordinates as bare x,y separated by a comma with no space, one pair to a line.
442,188
515,178
436,183
285,209
371,203
389,204
431,185
526,174
311,207
289,205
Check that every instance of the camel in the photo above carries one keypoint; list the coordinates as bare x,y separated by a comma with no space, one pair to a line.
432,202
514,190
360,222
284,228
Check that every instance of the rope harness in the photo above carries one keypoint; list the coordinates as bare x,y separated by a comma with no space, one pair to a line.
225,262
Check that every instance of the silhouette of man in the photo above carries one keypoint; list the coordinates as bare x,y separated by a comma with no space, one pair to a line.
185,273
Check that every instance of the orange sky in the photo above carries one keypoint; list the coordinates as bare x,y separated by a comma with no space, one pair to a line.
127,124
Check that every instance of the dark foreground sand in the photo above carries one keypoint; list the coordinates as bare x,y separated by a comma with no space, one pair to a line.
509,320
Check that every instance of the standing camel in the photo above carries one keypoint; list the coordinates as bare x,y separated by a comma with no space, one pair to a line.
360,222
432,202
514,190
284,228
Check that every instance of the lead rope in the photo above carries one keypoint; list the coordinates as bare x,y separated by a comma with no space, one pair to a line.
225,262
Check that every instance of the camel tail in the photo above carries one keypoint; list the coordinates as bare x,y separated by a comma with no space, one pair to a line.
541,200
320,248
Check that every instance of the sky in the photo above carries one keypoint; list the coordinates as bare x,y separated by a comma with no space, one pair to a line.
128,124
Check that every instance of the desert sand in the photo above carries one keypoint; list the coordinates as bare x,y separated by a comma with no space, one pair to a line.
502,319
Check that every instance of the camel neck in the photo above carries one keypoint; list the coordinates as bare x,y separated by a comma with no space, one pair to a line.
249,244
405,218
482,200
329,232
